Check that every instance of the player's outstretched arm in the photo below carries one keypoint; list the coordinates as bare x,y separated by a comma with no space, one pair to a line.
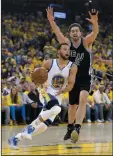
60,37
108,62
71,80
94,20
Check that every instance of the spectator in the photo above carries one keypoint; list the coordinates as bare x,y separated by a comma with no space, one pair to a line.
31,106
34,96
64,107
7,89
91,107
103,103
15,103
6,109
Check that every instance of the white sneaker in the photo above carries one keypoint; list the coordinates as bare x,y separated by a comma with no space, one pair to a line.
99,121
89,121
13,143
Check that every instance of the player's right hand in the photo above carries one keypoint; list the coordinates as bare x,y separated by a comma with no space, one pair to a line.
50,16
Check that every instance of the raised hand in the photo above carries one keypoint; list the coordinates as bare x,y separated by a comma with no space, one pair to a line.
50,16
93,16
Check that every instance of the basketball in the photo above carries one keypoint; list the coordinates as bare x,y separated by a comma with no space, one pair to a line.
39,75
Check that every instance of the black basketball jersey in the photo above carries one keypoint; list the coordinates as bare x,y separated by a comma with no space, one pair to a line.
82,59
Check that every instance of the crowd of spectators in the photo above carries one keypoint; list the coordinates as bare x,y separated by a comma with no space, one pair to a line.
27,41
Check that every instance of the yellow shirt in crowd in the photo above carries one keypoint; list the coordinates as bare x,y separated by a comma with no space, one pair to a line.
110,95
8,102
91,99
66,95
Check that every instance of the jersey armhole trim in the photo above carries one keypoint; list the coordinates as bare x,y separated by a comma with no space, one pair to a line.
50,66
88,50
71,64
70,67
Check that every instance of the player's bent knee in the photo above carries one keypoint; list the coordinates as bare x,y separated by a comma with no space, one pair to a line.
84,93
56,110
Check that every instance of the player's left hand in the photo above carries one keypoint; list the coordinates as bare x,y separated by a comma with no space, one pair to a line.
93,16
97,58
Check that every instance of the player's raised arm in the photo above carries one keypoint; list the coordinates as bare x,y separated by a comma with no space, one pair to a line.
71,80
94,20
60,37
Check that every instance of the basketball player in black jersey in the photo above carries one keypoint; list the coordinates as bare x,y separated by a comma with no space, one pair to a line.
80,54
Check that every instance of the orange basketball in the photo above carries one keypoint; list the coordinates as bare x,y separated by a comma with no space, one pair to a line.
39,75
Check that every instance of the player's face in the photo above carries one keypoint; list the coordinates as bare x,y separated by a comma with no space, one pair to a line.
64,52
75,33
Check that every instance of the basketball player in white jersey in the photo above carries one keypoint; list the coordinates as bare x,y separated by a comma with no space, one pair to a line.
61,74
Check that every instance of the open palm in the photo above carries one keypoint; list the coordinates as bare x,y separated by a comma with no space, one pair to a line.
93,16
50,16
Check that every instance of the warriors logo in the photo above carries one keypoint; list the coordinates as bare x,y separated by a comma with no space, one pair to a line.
58,81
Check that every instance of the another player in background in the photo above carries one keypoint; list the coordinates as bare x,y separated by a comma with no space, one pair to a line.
80,53
61,74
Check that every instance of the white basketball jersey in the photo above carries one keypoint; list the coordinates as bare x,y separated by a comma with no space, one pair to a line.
58,78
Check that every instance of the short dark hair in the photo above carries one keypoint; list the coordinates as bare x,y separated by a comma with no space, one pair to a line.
75,25
60,45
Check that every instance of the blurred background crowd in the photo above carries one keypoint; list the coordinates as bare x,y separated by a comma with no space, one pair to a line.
27,41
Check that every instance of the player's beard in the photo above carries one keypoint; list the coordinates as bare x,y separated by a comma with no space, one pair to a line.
76,38
64,57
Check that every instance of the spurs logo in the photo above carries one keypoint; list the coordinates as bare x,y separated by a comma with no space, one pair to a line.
78,57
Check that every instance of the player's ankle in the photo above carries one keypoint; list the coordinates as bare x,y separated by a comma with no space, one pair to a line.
78,127
70,126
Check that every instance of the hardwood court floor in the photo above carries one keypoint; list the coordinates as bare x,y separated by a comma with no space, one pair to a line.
95,139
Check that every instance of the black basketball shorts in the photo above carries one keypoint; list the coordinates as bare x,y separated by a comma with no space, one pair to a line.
75,92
